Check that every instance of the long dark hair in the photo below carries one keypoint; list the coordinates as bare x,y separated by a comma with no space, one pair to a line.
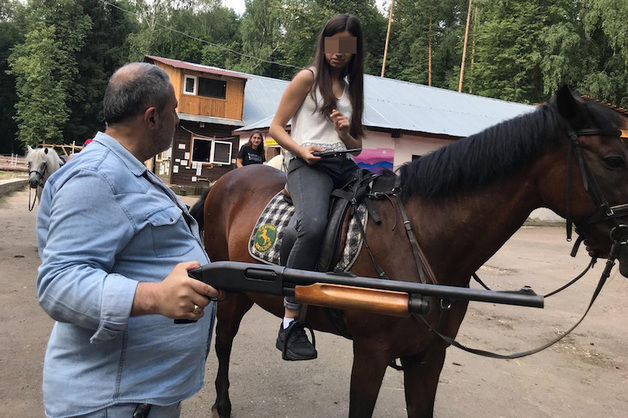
354,71
260,147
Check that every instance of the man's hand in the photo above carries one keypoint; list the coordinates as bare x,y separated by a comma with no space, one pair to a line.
177,296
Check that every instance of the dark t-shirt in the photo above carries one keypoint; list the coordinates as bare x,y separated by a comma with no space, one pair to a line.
250,155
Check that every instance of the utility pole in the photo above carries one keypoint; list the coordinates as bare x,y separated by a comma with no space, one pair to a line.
390,13
464,48
429,53
475,21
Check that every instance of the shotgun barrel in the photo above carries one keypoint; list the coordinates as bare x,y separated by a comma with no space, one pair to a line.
276,280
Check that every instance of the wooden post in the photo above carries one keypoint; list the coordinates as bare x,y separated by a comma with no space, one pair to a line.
464,48
429,53
475,21
390,13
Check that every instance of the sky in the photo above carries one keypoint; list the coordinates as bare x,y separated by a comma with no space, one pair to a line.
238,5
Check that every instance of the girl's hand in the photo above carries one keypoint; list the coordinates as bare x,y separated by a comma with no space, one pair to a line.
306,154
341,124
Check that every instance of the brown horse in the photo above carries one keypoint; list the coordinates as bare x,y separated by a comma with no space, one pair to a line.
463,201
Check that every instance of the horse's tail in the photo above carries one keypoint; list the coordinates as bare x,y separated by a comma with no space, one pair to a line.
197,211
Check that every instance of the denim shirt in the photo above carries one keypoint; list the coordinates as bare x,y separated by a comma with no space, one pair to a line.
106,223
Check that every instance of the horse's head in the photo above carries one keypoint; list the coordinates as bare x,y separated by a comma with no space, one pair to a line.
596,173
37,163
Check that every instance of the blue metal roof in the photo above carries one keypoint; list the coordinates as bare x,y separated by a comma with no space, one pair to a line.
394,104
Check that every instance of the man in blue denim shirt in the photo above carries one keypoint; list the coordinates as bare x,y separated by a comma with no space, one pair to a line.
115,245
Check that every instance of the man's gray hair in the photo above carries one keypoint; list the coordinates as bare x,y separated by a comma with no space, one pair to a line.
134,88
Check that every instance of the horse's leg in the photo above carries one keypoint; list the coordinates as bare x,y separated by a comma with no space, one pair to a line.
420,378
228,317
369,367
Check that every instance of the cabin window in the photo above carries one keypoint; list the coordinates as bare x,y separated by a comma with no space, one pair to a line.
208,87
211,151
190,84
221,152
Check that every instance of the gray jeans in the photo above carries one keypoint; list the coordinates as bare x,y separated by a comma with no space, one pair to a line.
310,188
126,411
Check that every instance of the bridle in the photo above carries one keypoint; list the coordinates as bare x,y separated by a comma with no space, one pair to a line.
604,211
40,172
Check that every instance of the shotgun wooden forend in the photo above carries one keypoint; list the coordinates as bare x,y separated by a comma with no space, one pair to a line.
385,302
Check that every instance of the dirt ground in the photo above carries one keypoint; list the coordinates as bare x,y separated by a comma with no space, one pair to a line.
584,375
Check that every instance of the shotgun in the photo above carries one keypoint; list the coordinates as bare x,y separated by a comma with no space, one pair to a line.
347,291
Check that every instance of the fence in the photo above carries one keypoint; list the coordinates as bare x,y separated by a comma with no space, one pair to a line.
13,162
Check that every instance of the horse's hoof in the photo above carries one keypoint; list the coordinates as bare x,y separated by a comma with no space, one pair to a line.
216,414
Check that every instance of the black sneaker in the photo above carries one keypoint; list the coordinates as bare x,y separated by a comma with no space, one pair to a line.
294,344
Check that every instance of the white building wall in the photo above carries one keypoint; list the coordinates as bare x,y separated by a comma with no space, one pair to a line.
406,146
409,145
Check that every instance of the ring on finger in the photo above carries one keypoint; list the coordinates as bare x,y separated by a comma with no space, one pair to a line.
197,310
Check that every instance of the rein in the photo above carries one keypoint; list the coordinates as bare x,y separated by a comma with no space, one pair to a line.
604,212
610,263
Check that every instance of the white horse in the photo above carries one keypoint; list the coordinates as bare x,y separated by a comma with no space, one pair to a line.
42,162
277,162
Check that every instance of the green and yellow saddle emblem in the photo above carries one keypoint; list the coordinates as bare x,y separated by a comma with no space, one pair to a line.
265,237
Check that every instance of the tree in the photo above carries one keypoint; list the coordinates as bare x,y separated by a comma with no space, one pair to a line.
44,67
416,25
10,35
261,33
606,50
191,30
105,49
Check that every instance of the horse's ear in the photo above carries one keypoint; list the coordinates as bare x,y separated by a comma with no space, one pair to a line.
28,148
567,105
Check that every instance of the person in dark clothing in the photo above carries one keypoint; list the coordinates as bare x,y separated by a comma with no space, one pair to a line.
253,151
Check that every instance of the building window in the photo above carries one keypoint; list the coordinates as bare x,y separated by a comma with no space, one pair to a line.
221,152
211,151
208,87
190,84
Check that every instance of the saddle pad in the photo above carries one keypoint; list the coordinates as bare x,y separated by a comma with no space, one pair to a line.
267,236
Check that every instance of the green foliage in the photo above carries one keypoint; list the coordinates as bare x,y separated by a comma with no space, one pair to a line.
412,33
186,33
606,43
10,35
260,30
104,50
57,55
44,67
41,109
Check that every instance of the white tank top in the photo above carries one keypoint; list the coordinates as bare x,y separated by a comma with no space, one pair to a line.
309,127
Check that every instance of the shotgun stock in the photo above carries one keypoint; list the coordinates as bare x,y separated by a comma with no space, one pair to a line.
346,291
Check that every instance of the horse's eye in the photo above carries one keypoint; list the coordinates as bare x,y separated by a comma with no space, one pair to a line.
614,162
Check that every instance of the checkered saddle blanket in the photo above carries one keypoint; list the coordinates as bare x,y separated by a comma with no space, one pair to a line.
267,236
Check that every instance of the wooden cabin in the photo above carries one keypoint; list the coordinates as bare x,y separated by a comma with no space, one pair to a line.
211,102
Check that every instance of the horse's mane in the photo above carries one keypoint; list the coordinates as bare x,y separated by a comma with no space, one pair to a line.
494,153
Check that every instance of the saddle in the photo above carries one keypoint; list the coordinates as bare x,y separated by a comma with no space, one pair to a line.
348,214
342,200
